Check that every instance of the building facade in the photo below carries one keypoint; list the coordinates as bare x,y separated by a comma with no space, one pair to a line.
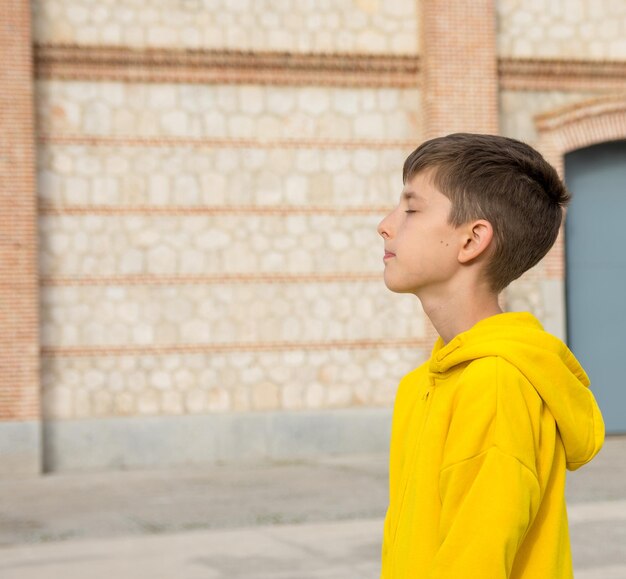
190,191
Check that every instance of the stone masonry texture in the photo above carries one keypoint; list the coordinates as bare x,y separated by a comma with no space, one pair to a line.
581,29
279,25
190,192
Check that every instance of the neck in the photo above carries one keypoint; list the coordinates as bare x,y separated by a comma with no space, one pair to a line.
457,312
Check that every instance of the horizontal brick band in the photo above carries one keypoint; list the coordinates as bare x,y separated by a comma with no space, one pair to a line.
72,62
561,74
276,278
160,350
173,210
75,62
148,141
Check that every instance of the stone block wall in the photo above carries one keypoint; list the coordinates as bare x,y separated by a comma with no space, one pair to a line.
352,26
210,175
158,111
564,29
210,248
181,266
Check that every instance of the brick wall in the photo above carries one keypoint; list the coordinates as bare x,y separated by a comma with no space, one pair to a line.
19,320
459,67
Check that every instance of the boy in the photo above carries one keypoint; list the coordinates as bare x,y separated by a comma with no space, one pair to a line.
483,431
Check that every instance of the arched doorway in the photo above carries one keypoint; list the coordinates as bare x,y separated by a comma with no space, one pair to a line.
595,237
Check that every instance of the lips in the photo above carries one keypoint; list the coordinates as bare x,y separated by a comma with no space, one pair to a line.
388,254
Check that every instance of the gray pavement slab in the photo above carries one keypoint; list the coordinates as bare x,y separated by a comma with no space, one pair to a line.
329,550
107,504
604,478
314,520
337,550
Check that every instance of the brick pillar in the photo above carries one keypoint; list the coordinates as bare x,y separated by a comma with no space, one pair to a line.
19,286
459,67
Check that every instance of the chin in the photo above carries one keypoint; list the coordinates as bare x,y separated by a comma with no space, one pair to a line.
398,288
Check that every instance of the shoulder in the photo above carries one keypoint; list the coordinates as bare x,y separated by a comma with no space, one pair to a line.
479,384
494,406
492,378
493,368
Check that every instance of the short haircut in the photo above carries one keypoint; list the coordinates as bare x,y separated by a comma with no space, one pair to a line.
504,181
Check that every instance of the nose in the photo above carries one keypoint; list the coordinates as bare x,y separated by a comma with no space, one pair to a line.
384,227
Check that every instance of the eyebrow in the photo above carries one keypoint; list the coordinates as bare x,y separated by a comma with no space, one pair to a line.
411,195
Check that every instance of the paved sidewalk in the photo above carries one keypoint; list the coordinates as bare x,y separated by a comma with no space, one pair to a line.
319,520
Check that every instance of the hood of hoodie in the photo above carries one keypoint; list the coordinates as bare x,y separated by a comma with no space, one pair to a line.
549,366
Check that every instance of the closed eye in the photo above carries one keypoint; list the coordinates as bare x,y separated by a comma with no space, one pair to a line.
410,211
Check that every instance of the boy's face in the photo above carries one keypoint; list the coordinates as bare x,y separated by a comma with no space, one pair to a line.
421,247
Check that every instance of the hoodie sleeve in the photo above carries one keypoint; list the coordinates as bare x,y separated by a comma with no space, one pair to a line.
488,503
489,495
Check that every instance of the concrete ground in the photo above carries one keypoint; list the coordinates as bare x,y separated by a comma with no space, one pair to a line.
311,520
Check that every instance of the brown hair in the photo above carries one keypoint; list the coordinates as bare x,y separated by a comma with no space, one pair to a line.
504,181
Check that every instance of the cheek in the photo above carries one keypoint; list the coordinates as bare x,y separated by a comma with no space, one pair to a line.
433,251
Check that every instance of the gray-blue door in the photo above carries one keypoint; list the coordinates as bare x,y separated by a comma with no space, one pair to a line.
595,230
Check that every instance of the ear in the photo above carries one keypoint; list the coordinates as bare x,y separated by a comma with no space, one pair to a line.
478,236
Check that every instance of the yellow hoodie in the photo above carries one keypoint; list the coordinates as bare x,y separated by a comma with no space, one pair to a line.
481,436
